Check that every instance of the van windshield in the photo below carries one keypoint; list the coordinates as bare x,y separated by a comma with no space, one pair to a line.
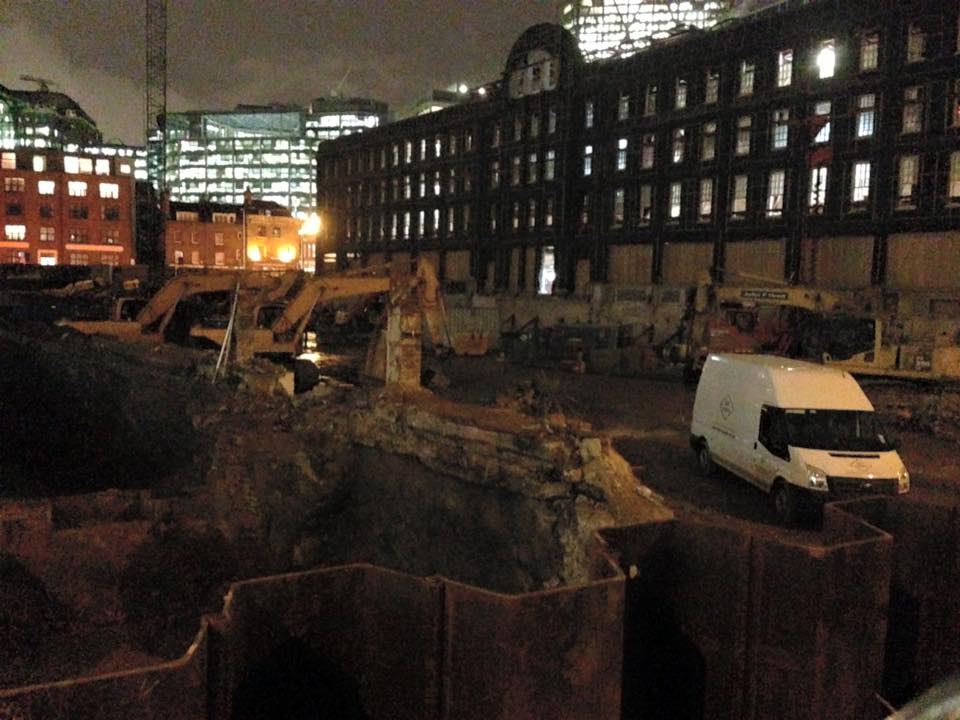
855,430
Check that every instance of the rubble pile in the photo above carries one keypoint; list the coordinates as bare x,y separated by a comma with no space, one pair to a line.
934,410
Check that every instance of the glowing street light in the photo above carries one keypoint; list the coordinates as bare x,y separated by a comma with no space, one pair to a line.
310,226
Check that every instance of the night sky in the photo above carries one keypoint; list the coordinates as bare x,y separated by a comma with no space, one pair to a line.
224,52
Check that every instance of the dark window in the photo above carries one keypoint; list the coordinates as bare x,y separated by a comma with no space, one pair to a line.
46,211
111,212
79,212
14,209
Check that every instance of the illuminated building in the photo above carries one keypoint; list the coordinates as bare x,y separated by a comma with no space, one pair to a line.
617,28
65,209
217,155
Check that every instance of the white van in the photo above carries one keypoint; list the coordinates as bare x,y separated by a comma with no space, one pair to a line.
797,430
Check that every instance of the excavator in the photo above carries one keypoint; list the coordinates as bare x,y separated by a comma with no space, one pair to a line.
269,314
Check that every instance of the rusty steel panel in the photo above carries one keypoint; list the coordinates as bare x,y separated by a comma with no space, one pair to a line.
174,690
552,654
369,638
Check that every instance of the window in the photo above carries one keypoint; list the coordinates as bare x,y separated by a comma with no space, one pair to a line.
738,208
585,210
676,200
102,166
84,258
535,125
452,181
493,217
79,212
548,213
650,101
218,238
218,258
860,183
47,234
39,163
784,68
618,206
437,146
46,211
515,217
111,236
623,107
224,218
953,183
515,170
916,43
780,129
706,199
452,144
15,232
14,184
622,145
679,143
680,94
518,128
826,60
869,51
712,87
744,123
747,72
908,176
408,151
494,174
708,149
912,110
821,122
533,168
551,121
423,148
78,236
648,151
77,188
550,167
495,136
109,190
421,223
866,115
646,204
588,114
548,272
48,257
14,209
407,187
406,225
587,160
775,185
953,104
195,257
8,161
110,212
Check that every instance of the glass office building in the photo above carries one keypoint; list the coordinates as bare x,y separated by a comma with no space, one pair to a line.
270,150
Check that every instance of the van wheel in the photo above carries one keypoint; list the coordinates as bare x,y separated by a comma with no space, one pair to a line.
708,467
785,503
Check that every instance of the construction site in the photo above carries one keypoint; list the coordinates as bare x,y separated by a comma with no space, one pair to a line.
422,517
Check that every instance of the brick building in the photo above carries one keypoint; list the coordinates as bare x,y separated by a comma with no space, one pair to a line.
66,208
814,141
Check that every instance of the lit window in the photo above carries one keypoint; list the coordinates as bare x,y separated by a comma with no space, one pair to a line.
533,167
421,223
650,101
708,148
550,167
76,188
532,214
48,257
869,51
706,199
422,184
515,218
908,175
548,272
821,122
618,206
588,114
738,207
826,60
46,187
676,200
436,183
14,184
125,169
712,89
494,174
224,218
15,232
818,188
102,166
953,183
585,210
548,213
109,190
535,125
747,72
408,151
218,238
784,68
71,164
47,234
588,160
551,121
407,187
916,43
780,133
39,163
775,185
622,145
623,107
218,258
866,115
648,151
680,94
744,124
646,204
860,183
912,110
8,161
406,225
679,144
515,170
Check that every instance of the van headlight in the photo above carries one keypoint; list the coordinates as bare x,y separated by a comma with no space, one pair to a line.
816,478
903,480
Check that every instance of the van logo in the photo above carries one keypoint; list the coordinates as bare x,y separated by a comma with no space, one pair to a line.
859,465
726,407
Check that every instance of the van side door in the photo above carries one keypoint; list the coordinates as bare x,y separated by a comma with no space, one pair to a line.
771,453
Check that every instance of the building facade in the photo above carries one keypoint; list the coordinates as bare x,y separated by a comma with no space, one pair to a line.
65,209
256,235
216,156
815,141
